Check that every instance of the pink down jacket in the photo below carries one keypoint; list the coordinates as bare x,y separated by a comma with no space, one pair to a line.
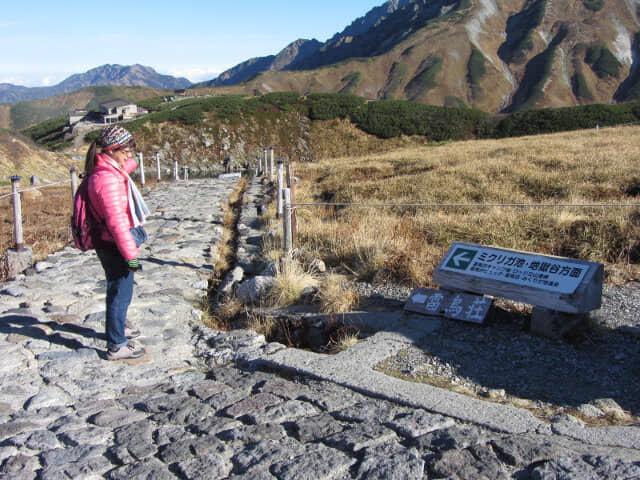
109,198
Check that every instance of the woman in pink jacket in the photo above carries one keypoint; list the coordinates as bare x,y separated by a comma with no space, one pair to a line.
120,210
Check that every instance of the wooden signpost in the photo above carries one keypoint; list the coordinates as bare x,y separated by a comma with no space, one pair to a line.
560,289
556,283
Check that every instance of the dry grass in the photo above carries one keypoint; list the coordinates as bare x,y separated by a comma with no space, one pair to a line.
45,222
291,280
262,325
574,167
334,297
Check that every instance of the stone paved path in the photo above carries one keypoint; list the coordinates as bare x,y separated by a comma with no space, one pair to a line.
210,404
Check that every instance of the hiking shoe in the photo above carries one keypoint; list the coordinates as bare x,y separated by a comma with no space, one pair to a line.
128,351
131,333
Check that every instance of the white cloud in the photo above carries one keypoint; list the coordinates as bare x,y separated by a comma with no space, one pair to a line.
193,73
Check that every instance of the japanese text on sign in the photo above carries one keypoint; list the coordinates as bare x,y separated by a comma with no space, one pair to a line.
546,273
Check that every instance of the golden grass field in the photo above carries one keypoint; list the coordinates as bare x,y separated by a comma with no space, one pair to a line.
407,242
590,166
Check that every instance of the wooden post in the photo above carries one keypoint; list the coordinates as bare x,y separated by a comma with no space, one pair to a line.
74,183
17,213
175,170
158,165
266,164
271,164
291,183
279,187
141,168
286,224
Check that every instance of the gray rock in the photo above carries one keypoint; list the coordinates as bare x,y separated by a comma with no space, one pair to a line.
315,462
208,466
51,397
91,435
19,467
480,464
252,404
259,456
60,457
523,450
585,468
116,417
287,411
312,429
207,389
361,436
418,422
399,466
458,437
367,411
11,429
148,469
254,290
253,433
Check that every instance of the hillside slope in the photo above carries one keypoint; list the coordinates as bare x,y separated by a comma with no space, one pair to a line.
494,55
19,156
17,116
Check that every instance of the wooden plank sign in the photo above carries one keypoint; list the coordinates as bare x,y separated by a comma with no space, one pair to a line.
562,284
454,305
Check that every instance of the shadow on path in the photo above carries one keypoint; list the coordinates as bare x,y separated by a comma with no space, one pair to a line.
31,327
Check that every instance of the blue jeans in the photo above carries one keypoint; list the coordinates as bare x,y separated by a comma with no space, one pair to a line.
119,290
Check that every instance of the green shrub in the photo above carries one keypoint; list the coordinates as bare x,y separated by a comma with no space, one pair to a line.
580,88
397,76
283,100
602,61
392,118
595,5
476,67
425,80
352,81
548,120
326,106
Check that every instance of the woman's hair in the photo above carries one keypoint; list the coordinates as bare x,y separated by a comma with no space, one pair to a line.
111,138
90,160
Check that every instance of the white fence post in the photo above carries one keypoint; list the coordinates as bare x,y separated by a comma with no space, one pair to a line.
287,238
271,164
141,168
17,213
74,183
279,187
175,170
158,165
185,173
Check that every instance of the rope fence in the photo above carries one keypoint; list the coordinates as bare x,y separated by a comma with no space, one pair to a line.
465,205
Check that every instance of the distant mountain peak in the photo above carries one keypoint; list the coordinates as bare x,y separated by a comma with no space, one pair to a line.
110,74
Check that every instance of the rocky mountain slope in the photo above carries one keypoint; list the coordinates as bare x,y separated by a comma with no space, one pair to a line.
19,156
294,52
494,55
129,76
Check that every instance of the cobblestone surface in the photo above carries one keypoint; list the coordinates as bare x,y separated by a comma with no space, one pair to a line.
197,406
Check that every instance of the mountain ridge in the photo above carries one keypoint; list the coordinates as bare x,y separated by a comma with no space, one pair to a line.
109,74
492,55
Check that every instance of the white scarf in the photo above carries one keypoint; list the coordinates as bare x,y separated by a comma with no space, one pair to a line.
137,207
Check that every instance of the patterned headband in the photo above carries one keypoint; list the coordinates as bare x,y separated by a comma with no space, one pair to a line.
114,137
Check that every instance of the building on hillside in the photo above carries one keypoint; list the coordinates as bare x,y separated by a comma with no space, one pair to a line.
117,110
76,116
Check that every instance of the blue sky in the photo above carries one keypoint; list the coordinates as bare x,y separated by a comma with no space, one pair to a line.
42,42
